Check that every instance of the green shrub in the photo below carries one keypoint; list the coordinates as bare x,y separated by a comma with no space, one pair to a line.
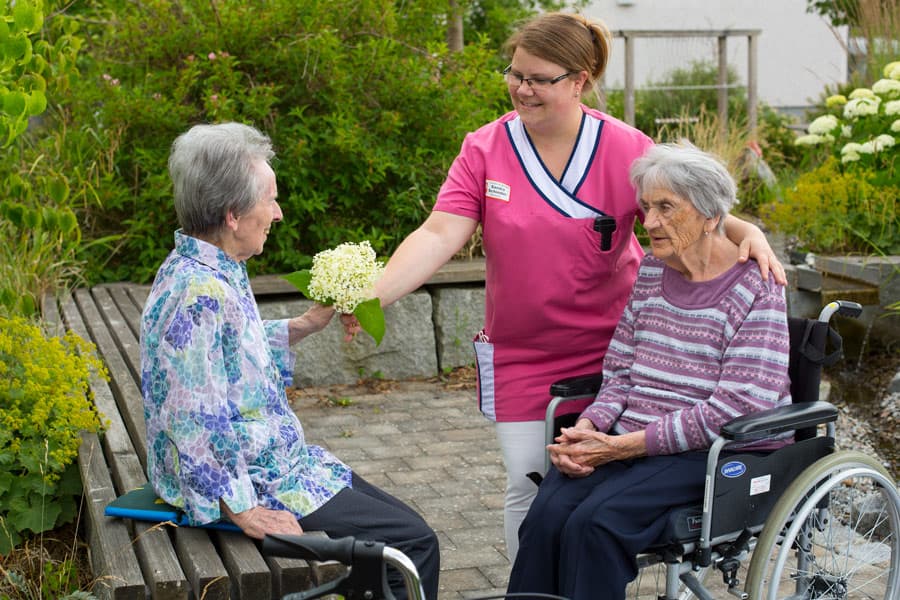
38,190
44,405
365,106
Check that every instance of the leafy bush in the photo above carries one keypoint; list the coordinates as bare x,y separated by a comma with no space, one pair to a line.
39,229
44,405
365,105
22,84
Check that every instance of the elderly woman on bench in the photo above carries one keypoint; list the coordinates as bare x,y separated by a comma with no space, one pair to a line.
703,339
223,441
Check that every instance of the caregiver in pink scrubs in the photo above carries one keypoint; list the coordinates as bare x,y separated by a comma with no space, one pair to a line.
535,179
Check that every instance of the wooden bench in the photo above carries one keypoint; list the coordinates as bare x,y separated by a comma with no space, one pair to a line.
133,559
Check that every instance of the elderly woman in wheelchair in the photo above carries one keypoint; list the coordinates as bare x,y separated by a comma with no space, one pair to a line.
703,340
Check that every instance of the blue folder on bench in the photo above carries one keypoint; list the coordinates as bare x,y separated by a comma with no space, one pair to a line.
142,504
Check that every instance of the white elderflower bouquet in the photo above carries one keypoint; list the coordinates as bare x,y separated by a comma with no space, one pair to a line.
342,277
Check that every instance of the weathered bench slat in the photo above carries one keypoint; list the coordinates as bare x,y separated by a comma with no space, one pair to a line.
126,341
116,569
204,569
158,562
113,558
250,575
129,309
126,392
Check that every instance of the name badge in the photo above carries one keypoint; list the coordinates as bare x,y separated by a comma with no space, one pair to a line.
496,190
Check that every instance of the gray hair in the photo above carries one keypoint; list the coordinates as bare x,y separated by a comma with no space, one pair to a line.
214,170
689,172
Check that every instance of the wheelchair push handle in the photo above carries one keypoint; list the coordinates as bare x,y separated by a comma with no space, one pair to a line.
845,308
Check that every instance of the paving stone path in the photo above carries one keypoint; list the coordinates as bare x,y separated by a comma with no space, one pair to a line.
426,443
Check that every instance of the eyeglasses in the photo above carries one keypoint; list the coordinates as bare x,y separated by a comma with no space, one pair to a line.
515,79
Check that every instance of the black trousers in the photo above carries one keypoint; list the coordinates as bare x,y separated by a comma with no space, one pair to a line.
368,513
581,535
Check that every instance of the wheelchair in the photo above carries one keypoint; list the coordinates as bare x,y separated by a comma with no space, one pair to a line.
815,523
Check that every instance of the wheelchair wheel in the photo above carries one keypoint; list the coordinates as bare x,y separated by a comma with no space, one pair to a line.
840,519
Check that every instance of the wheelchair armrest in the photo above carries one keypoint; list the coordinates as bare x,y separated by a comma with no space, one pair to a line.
581,385
778,420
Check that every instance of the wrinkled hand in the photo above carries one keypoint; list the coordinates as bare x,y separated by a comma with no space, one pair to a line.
561,452
351,327
756,246
579,450
259,521
313,320
318,316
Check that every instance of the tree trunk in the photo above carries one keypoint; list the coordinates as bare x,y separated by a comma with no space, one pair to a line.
454,26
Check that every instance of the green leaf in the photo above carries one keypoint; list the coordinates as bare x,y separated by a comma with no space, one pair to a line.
58,189
36,103
300,280
15,47
15,103
26,17
371,318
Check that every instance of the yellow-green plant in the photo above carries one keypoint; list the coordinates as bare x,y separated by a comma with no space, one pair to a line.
45,404
832,209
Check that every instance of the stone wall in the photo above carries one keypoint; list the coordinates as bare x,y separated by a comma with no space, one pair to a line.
426,332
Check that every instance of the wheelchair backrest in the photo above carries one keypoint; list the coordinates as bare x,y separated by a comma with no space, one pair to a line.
813,345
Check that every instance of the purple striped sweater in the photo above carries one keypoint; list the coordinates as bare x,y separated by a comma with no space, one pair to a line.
689,356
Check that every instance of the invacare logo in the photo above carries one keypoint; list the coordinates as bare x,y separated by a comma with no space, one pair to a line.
733,469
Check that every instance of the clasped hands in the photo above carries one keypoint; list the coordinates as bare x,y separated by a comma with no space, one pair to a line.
580,449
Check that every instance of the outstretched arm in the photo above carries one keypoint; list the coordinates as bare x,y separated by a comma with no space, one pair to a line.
422,253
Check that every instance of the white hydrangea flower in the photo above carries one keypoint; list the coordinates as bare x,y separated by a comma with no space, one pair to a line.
344,275
846,131
849,157
823,125
835,100
892,107
861,107
892,70
852,147
810,139
861,93
867,148
883,142
895,126
886,87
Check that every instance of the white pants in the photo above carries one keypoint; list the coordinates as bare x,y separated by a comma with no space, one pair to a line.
522,444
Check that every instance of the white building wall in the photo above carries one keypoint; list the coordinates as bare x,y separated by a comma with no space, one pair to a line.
799,53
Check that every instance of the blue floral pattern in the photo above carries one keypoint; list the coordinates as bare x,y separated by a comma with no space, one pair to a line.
213,377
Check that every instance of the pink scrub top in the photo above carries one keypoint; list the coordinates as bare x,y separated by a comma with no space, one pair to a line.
552,296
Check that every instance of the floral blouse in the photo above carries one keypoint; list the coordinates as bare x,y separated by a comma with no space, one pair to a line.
213,377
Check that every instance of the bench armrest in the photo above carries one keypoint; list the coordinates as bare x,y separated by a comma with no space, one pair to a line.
580,385
778,420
